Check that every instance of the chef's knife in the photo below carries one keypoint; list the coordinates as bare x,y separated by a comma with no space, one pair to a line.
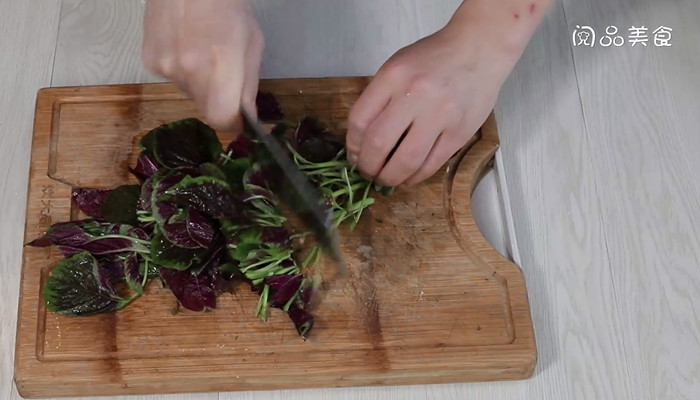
301,196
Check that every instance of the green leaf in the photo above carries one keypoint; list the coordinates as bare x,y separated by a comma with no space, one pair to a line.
213,170
230,268
120,205
75,288
168,255
251,235
242,251
234,170
153,270
133,273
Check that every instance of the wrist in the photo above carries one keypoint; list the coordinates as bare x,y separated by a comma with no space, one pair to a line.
502,28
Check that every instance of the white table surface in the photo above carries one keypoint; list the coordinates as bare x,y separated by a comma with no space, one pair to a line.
601,149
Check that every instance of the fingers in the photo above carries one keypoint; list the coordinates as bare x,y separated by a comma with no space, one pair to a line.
251,76
371,103
446,145
411,153
210,49
382,135
159,37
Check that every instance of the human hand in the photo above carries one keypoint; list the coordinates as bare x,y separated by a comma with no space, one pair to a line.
440,90
210,49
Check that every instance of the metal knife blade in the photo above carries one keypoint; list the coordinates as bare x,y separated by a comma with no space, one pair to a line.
303,198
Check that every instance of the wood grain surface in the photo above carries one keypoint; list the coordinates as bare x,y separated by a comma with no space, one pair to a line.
423,281
645,173
577,125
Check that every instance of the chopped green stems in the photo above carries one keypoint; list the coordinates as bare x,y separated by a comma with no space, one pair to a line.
263,272
299,235
289,270
257,281
313,257
349,185
265,261
261,311
290,302
328,164
270,223
226,156
348,190
144,272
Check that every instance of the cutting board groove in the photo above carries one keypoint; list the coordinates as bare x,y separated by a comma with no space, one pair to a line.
427,300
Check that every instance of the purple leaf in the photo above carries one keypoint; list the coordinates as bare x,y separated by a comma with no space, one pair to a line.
109,274
268,108
112,267
194,292
90,201
276,235
305,292
241,147
315,143
137,233
168,255
146,193
62,235
145,168
69,251
187,142
212,258
76,286
73,238
284,287
258,178
108,245
303,321
207,194
163,210
132,272
199,228
176,232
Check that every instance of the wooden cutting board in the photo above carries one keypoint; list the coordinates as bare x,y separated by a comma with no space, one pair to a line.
427,300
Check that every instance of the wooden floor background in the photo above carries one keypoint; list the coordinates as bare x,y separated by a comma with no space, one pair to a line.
601,149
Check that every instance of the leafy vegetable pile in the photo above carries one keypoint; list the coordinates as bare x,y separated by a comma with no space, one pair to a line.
202,216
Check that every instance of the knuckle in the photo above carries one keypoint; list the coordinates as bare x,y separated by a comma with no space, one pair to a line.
449,106
357,124
189,62
376,142
165,65
395,69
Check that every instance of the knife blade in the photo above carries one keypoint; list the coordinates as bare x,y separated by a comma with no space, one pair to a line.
303,199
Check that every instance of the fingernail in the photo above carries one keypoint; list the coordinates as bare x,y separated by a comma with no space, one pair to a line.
352,157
